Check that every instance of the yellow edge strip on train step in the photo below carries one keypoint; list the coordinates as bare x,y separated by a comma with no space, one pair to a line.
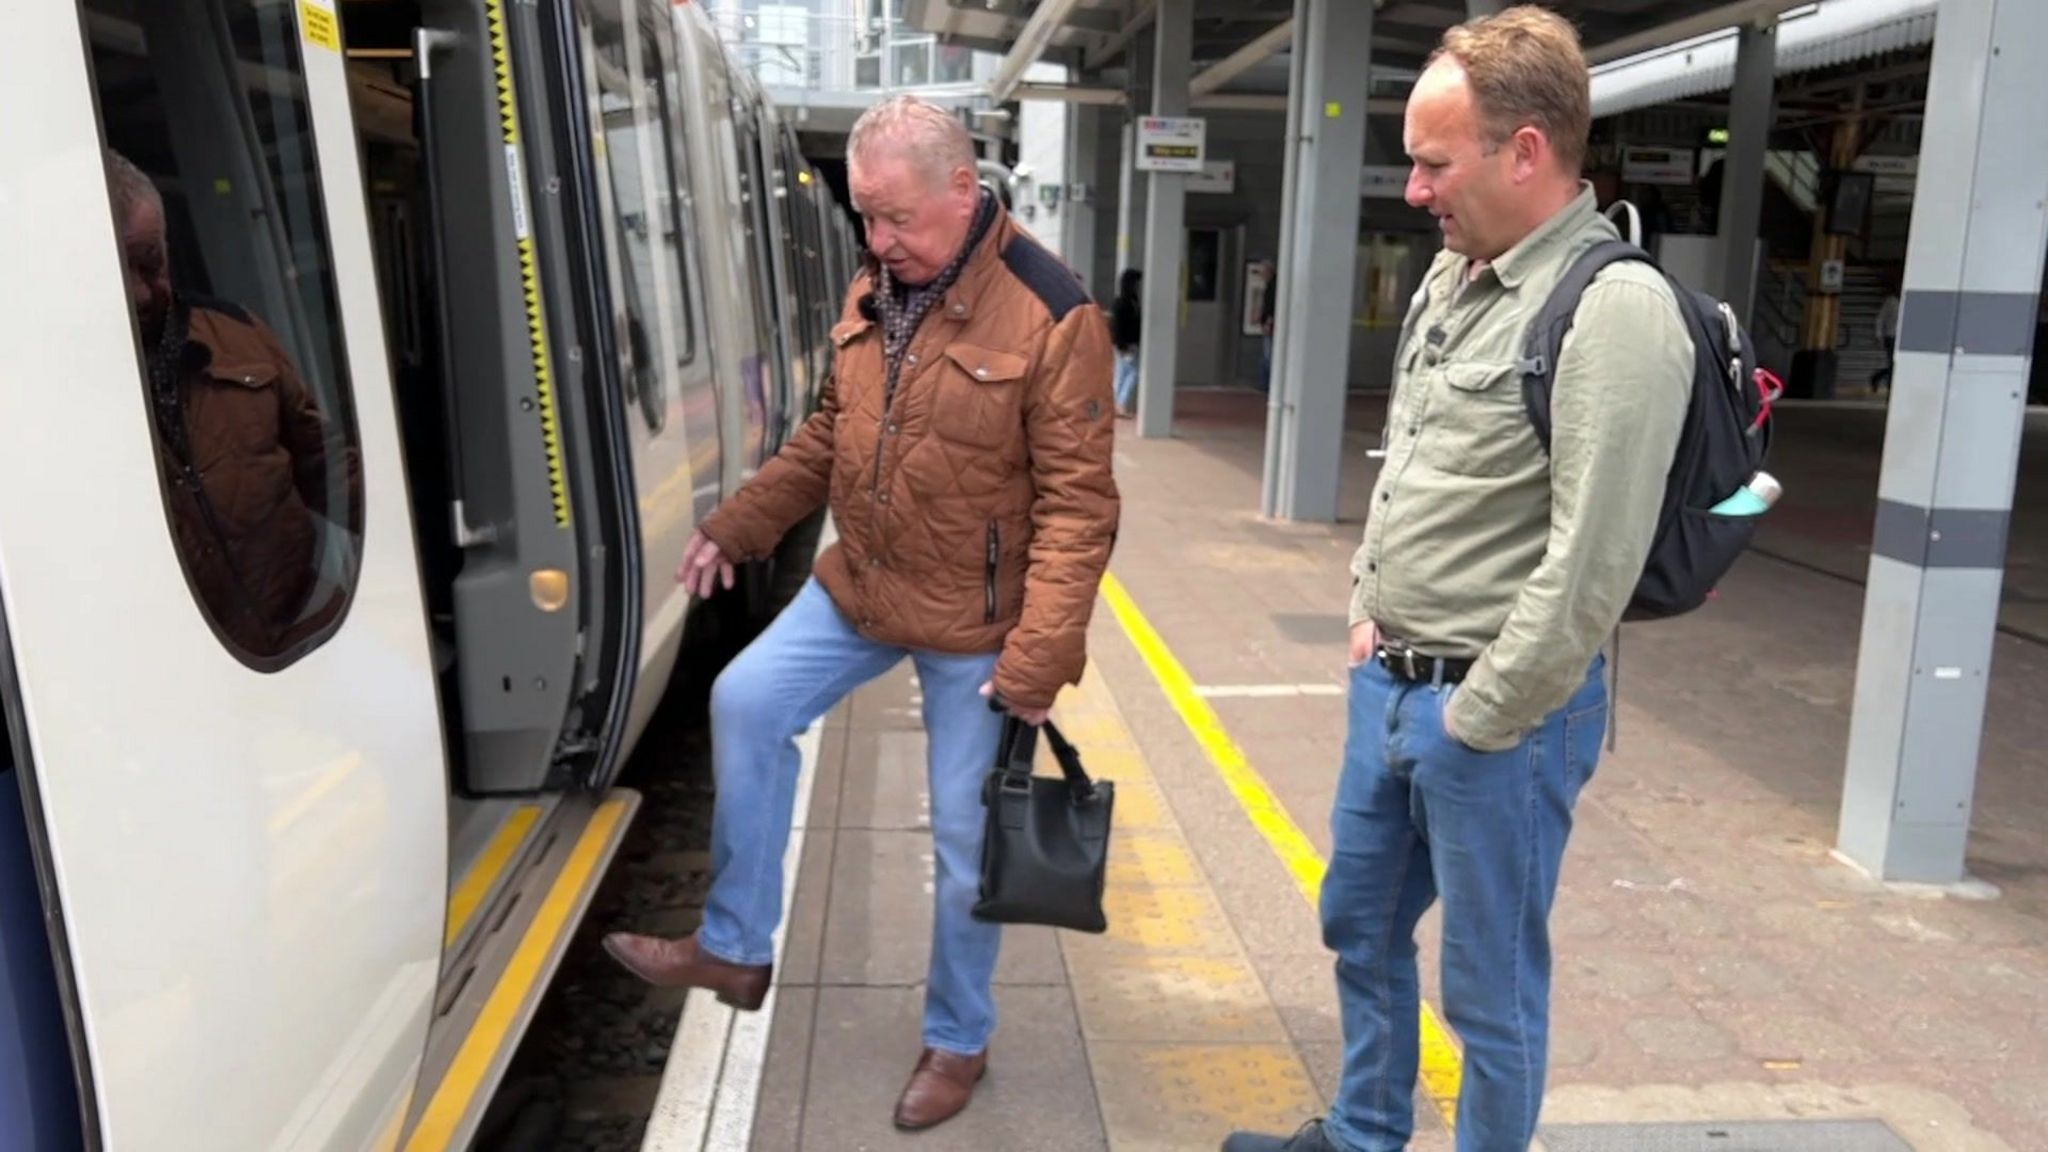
494,1024
488,867
1442,1067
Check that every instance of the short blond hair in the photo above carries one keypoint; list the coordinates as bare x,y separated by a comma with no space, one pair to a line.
920,129
1525,66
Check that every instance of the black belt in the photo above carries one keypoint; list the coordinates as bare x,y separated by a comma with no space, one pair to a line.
1404,662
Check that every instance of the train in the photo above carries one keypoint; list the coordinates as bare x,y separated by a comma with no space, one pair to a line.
373,360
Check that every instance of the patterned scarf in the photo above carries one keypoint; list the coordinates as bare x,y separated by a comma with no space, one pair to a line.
166,364
901,316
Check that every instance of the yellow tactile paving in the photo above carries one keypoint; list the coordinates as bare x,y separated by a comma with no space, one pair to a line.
1172,1000
1183,1040
1182,1096
1157,859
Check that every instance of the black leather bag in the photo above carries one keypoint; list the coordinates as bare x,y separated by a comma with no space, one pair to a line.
1045,854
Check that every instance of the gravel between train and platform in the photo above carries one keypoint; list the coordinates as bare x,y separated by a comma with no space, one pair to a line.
586,1075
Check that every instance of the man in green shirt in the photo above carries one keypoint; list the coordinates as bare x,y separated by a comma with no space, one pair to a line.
1490,573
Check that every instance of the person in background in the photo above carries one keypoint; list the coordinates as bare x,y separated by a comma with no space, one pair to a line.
1126,324
1887,334
1266,325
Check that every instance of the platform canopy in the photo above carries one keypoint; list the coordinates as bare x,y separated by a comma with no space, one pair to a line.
1241,47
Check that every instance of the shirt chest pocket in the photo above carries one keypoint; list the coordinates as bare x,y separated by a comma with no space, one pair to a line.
977,400
1476,425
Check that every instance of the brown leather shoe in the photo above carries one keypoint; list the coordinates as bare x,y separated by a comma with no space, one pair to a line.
682,964
939,1088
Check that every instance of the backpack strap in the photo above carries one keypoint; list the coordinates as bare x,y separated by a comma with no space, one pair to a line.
1543,340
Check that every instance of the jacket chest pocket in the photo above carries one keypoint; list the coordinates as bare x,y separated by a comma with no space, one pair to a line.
235,420
1476,425
977,398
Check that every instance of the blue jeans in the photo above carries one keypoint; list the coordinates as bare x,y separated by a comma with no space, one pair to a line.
1420,816
1126,379
804,663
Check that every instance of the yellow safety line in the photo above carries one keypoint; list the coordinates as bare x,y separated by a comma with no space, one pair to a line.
485,870
1442,1067
494,1024
529,273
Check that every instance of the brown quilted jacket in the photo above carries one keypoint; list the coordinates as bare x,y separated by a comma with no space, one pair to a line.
976,512
247,507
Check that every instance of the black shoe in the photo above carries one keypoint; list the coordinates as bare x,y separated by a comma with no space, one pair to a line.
1310,1138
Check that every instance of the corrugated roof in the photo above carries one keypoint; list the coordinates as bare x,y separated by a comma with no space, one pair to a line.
1832,32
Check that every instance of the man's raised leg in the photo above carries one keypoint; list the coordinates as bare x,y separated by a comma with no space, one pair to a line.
803,664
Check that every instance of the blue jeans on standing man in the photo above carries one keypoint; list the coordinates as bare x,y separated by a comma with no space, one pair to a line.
1126,380
1420,817
801,665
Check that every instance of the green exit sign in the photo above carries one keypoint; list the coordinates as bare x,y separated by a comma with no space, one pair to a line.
1717,137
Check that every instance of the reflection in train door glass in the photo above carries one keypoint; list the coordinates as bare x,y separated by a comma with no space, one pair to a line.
624,65
223,239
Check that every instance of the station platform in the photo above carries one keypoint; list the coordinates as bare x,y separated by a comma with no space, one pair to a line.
1717,969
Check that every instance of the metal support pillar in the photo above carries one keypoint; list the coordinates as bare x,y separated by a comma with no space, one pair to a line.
1173,27
1312,316
1742,175
1813,367
1130,199
1966,333
1084,144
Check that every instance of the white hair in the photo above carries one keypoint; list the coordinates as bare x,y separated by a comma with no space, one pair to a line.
918,128
131,187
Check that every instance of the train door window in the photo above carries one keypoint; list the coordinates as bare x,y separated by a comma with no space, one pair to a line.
789,201
753,217
627,66
222,236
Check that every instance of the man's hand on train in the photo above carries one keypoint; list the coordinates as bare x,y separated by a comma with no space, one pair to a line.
1031,716
1365,636
704,567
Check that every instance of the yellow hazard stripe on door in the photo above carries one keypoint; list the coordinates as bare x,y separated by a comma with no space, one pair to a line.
529,273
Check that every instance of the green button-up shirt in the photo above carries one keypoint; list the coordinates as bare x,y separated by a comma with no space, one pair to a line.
1481,545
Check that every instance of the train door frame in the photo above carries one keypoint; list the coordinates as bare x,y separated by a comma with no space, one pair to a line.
585,210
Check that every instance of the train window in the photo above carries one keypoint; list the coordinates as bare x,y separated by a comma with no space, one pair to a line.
628,71
216,192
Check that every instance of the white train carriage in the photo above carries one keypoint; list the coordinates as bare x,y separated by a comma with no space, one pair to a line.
357,416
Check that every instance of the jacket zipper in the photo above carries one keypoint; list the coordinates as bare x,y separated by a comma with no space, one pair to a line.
995,548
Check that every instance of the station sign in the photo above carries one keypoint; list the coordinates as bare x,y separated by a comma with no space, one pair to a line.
1383,181
1670,166
1171,143
1217,177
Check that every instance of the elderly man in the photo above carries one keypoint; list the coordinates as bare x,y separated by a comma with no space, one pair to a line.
1490,573
964,443
243,448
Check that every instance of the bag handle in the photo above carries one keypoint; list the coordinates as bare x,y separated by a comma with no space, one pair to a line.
1018,743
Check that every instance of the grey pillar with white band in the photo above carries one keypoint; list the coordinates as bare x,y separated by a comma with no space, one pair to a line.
1958,405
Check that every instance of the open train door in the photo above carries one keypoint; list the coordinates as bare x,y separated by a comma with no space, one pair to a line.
236,768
